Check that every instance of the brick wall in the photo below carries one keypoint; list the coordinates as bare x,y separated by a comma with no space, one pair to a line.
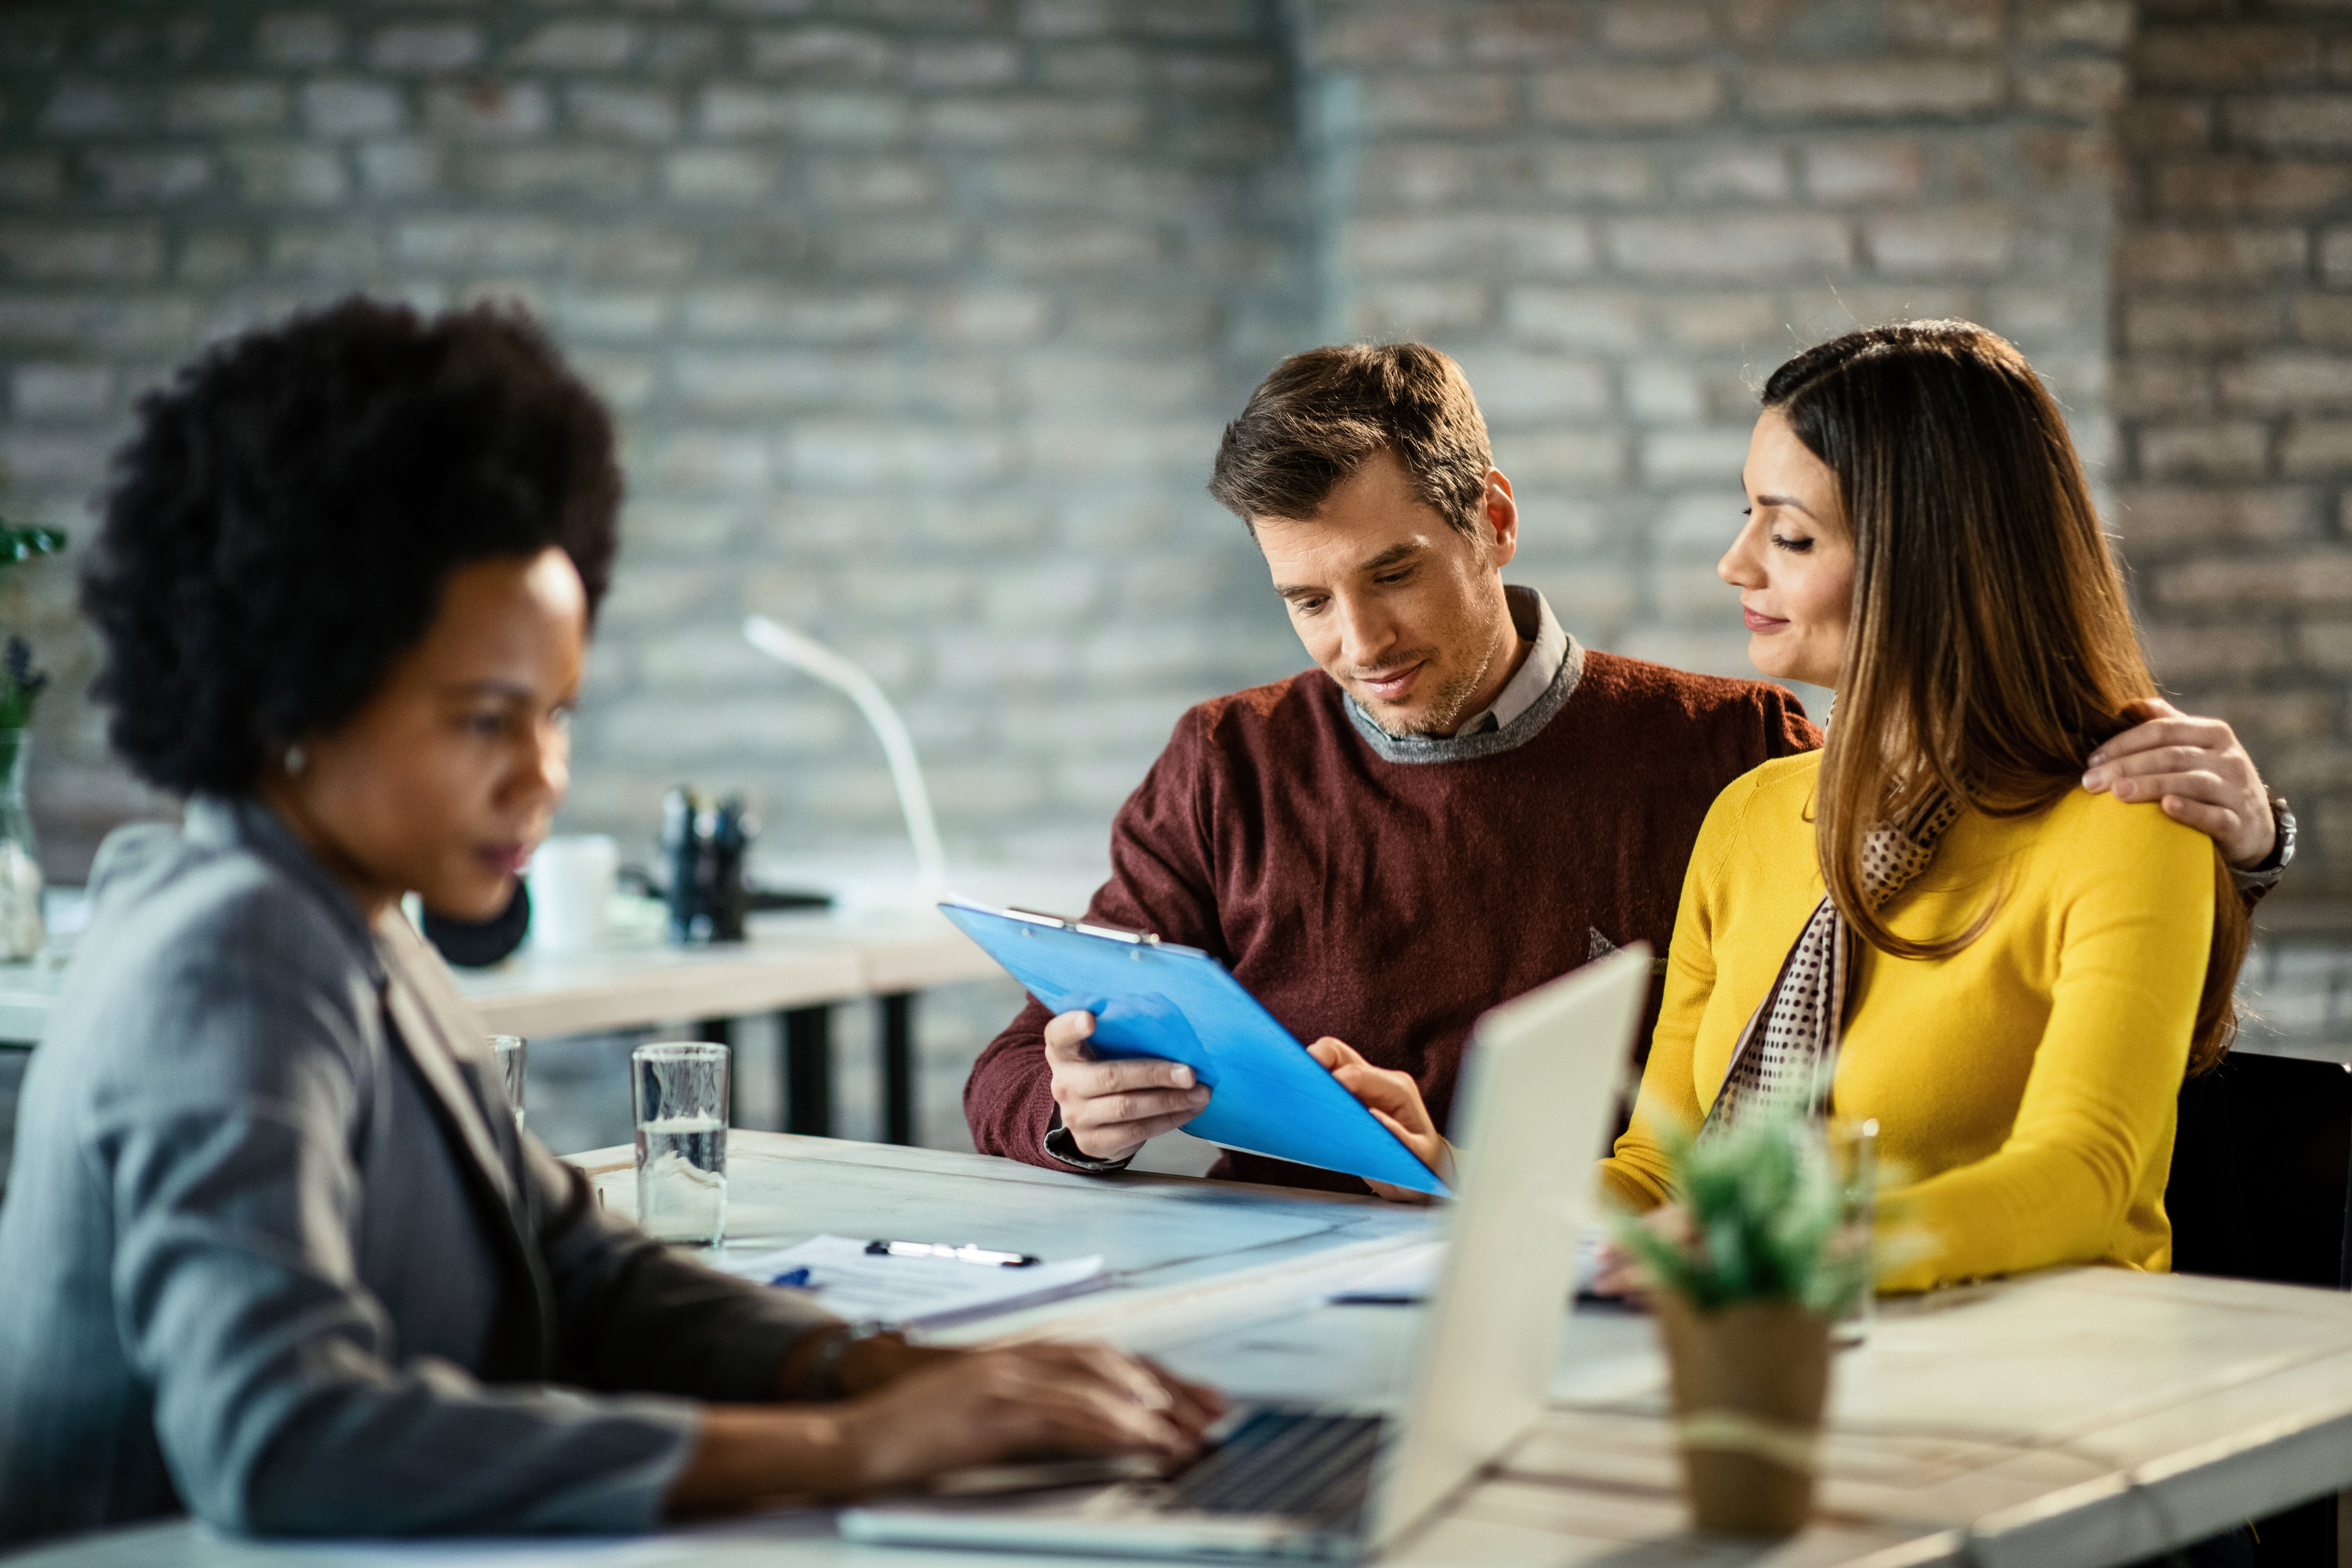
1621,214
2233,385
921,315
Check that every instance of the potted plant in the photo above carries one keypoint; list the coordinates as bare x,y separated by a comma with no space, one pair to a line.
1747,1277
22,932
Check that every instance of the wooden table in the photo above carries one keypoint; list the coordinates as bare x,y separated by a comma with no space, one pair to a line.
2070,1420
797,966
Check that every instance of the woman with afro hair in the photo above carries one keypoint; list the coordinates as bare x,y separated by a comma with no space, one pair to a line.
275,1252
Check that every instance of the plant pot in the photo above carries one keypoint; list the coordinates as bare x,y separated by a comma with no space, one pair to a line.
1749,1384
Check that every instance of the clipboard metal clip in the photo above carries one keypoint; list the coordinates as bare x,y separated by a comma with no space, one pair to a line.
1062,922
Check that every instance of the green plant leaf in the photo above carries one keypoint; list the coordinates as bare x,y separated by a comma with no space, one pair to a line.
23,541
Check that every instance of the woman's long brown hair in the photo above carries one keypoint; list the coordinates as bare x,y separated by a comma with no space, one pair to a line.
1991,646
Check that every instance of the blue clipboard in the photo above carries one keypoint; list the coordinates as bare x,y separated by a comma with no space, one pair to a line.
1152,999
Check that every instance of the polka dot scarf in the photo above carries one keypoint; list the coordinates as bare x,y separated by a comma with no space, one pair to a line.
1789,1048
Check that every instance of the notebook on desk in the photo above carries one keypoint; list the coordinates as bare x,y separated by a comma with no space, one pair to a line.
1152,999
1540,1089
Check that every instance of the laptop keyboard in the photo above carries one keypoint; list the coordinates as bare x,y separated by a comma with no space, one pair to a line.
1290,1463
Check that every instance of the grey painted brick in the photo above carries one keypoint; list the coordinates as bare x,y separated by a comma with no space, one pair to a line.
2262,186
2220,451
2211,255
1653,27
2314,449
30,178
1419,309
1740,246
1459,100
2307,577
1522,245
1628,97
149,176
89,107
1876,169
1613,174
352,108
269,173
1888,90
1679,457
127,251
722,173
806,114
1971,242
299,39
596,172
1005,122
869,184
833,55
49,391
1067,18
398,169
963,66
1072,249
425,46
1576,318
1735,174
232,105
630,113
2288,379
483,108
2101,23
755,311
583,43
2163,517
2231,56
492,243
2292,121
2161,323
2082,88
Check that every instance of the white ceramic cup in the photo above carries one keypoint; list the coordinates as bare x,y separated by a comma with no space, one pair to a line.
571,878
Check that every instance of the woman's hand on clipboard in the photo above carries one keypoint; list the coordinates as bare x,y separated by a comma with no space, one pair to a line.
1395,1100
1113,1107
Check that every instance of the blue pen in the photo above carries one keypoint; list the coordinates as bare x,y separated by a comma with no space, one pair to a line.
797,1278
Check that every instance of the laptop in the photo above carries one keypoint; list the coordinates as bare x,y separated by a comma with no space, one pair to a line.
1540,1089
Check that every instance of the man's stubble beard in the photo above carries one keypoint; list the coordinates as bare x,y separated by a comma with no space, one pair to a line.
1444,714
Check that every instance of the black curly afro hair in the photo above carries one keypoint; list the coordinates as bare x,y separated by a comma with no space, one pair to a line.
282,521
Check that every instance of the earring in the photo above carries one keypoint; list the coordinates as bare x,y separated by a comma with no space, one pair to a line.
295,760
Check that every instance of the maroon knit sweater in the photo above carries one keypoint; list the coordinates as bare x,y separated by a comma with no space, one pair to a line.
1390,903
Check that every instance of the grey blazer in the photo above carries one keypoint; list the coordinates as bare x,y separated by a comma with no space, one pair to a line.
274,1253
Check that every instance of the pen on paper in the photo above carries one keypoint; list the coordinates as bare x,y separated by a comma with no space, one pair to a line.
964,1254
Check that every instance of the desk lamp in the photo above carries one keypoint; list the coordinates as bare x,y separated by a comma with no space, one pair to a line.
812,658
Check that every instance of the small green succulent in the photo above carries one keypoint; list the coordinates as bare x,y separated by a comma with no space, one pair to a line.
1766,1220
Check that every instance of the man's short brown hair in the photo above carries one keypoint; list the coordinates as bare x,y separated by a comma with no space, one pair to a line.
1315,420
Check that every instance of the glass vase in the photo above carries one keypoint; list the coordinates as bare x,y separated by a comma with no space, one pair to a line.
22,934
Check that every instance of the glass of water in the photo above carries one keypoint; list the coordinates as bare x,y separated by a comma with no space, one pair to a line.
681,1090
1853,1146
511,1050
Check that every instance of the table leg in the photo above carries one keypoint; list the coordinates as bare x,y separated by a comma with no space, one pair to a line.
808,1070
898,1068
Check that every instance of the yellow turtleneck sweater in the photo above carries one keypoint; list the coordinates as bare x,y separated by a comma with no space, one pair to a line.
2025,1086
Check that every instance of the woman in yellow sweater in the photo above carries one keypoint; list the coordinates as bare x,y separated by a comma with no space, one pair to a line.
2009,974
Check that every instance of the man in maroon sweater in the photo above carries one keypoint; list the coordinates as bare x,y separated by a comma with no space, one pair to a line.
1459,803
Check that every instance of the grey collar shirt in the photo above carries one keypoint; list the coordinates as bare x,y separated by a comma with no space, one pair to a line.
274,1252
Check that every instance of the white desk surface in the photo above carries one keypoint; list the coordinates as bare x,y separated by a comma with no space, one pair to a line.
2069,1420
791,961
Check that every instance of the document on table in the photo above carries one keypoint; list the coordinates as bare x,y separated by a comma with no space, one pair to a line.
916,1292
